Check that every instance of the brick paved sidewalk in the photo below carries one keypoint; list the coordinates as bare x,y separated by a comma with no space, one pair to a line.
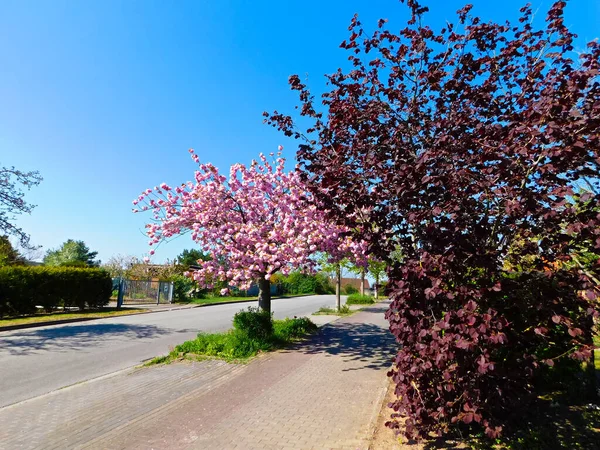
322,394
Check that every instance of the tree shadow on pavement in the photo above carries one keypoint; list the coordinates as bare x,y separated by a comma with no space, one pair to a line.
69,338
371,345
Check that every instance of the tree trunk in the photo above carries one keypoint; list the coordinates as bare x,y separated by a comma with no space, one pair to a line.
264,294
338,287
376,286
362,282
592,393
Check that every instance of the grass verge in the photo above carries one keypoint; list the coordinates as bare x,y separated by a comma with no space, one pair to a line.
326,311
236,345
52,317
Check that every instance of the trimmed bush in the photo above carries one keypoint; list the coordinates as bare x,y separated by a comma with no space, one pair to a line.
358,299
254,323
24,288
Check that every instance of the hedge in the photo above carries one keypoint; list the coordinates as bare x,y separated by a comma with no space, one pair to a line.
22,289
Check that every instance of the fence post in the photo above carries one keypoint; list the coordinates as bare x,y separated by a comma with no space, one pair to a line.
158,294
120,294
171,292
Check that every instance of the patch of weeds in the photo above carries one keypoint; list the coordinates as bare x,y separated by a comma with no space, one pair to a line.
158,360
326,311
288,330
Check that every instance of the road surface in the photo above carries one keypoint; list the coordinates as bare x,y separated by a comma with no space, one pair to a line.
39,360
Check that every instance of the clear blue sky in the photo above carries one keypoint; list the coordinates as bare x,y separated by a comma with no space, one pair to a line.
105,97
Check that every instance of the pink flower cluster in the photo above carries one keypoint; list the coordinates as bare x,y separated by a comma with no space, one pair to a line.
259,221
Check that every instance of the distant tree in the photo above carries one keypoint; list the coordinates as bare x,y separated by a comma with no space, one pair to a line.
8,254
12,182
377,269
191,257
342,259
146,271
332,267
72,253
119,265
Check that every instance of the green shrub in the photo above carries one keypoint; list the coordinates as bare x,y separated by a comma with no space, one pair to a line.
22,288
295,328
358,299
183,287
254,323
349,289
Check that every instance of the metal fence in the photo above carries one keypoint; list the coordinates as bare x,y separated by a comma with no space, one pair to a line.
141,292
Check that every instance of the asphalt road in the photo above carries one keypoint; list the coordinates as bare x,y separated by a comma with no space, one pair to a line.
39,360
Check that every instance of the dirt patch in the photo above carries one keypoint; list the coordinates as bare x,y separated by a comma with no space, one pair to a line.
384,438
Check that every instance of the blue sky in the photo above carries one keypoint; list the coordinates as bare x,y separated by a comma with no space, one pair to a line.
105,97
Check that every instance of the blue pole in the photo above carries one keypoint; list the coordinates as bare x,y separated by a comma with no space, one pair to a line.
120,294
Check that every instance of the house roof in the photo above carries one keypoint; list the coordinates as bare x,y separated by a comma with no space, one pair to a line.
354,282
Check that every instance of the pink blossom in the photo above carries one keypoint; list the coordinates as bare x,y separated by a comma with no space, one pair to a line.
258,221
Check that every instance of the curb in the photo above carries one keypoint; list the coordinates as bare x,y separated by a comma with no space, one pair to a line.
378,407
87,319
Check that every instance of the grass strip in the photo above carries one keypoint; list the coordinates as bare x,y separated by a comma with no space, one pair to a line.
52,317
343,311
236,346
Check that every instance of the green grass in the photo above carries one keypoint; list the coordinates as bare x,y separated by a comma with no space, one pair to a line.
235,345
214,300
51,317
358,299
326,311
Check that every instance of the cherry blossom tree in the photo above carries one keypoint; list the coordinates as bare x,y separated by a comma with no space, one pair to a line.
258,221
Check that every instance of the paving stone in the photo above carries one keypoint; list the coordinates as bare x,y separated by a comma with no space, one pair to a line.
323,393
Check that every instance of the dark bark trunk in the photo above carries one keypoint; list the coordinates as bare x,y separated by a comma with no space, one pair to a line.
264,294
591,366
338,287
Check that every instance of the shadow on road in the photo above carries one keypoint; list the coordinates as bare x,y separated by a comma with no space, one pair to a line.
368,342
68,338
